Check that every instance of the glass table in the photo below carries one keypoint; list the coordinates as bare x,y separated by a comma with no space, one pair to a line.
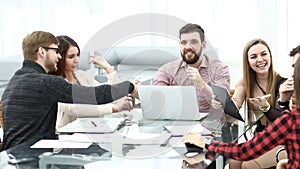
116,153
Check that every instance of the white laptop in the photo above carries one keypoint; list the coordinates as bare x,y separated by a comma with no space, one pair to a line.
169,103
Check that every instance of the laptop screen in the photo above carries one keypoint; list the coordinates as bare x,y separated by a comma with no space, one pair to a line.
169,102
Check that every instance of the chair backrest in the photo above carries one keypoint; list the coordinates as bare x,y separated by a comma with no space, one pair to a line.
134,62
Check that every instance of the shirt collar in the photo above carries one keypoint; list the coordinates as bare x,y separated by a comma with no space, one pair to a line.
204,62
34,65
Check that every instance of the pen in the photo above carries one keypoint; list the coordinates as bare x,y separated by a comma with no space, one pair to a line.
122,124
94,123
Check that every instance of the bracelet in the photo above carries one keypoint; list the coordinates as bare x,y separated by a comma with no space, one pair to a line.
265,109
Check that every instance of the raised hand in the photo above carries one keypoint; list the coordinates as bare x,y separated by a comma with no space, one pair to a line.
100,61
286,90
261,101
215,103
194,75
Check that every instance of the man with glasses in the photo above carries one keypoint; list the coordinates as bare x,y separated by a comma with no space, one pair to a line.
195,68
29,102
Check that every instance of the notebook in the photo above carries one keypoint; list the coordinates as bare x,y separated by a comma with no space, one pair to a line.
169,103
228,105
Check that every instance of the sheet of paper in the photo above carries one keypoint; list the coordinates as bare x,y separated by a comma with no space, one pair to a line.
89,138
183,130
59,144
92,125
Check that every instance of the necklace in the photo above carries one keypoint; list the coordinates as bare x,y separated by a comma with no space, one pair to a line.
264,92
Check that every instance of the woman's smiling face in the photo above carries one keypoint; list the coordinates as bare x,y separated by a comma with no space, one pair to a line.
259,58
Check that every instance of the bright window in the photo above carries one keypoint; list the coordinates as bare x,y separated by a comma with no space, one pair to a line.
229,24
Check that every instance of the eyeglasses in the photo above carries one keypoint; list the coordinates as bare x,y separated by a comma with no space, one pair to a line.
56,49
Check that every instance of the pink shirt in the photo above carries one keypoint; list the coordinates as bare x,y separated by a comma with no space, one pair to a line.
211,70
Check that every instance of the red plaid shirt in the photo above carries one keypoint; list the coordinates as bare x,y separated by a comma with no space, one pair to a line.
285,130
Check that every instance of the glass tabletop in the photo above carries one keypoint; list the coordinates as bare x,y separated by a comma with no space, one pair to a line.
118,153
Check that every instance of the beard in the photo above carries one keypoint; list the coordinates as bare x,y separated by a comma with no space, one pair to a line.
51,66
192,60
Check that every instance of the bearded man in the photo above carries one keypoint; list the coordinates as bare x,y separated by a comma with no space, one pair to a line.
195,68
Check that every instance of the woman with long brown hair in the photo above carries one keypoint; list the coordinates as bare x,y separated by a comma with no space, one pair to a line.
259,79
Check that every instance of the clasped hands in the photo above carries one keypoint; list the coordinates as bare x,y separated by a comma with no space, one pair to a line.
127,102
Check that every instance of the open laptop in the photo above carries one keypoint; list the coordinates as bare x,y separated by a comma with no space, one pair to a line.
169,103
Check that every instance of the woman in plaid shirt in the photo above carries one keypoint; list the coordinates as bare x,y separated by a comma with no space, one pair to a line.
284,130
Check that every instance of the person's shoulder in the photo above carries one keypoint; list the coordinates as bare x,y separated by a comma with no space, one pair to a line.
215,61
52,80
281,77
84,77
172,64
81,73
279,80
241,82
